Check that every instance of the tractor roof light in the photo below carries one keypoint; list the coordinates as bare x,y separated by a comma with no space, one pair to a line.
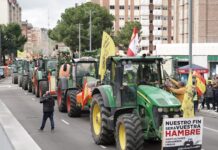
166,110
165,116
160,110
177,109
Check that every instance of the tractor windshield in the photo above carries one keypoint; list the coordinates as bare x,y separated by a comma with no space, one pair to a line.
140,72
86,69
52,65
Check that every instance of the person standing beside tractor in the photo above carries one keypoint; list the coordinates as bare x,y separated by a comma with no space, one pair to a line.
209,94
179,91
48,110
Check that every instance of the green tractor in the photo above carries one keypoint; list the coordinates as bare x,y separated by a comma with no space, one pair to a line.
41,76
73,90
130,105
16,70
27,69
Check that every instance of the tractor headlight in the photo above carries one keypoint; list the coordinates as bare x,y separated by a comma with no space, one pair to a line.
171,109
165,116
166,110
160,110
176,116
176,109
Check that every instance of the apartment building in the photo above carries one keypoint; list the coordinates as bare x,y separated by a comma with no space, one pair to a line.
10,11
205,21
154,15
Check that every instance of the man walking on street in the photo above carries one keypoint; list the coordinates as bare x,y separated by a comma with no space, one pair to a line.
209,94
48,110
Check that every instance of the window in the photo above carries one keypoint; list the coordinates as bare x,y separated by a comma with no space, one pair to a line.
144,38
150,42
136,18
164,7
151,31
151,21
112,7
151,1
136,7
164,28
121,6
121,18
151,11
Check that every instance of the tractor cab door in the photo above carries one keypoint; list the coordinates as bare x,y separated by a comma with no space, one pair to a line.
125,87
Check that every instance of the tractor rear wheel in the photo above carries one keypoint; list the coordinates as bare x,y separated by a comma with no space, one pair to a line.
33,89
29,86
61,99
20,81
129,133
72,108
98,119
25,82
15,78
37,89
43,87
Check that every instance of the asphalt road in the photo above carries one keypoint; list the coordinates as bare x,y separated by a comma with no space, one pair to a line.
74,133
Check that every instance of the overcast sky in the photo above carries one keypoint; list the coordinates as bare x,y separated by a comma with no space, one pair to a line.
37,11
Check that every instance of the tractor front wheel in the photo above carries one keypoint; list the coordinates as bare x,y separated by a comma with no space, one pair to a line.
25,82
72,108
60,99
29,86
98,118
129,133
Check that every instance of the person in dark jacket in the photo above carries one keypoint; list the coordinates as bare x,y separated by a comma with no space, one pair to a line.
209,94
48,110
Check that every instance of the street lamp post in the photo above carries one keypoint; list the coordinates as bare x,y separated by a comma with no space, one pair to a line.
190,34
0,47
90,30
79,40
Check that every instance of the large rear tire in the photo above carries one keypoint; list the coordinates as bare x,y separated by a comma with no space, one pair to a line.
98,119
30,86
15,79
20,81
61,99
33,89
37,89
72,108
129,133
25,82
43,87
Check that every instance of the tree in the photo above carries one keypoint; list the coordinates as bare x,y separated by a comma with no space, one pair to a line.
67,30
11,39
122,38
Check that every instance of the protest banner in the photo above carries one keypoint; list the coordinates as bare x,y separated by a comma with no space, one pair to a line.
182,133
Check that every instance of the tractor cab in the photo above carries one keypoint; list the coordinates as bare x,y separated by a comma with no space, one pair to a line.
125,74
84,69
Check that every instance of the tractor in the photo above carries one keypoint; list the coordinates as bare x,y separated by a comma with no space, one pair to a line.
16,70
27,69
42,74
73,90
129,105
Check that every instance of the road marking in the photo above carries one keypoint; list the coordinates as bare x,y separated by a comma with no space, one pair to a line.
211,129
103,147
67,123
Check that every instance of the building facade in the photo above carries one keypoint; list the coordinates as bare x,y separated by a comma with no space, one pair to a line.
155,17
205,21
10,11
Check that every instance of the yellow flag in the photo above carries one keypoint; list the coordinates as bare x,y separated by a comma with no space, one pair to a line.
21,54
187,104
107,49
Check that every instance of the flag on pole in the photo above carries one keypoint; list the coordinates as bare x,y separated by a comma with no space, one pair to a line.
187,104
200,83
107,49
133,46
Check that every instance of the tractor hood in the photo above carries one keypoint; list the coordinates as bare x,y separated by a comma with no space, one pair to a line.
157,96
